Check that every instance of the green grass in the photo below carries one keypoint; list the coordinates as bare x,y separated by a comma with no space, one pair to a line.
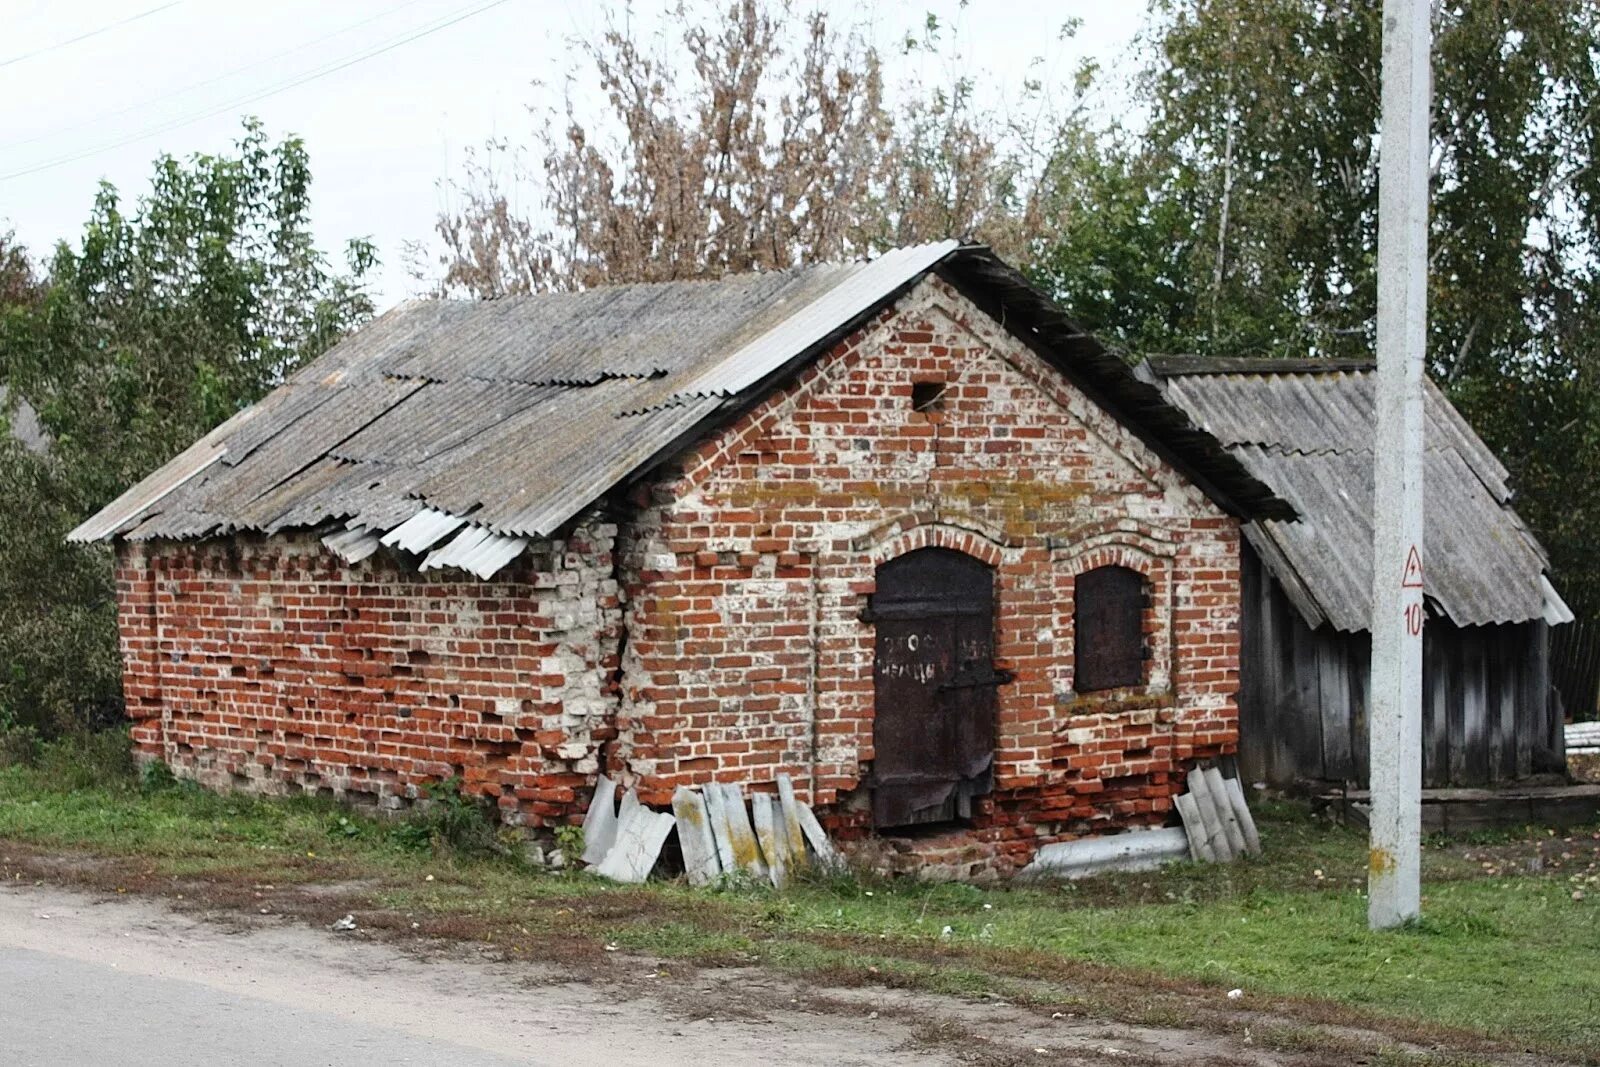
1503,951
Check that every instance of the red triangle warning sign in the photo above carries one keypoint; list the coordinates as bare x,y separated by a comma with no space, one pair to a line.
1412,578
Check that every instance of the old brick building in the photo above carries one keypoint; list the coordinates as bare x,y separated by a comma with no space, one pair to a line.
898,529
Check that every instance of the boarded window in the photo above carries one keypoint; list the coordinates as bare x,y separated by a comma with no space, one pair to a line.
1108,628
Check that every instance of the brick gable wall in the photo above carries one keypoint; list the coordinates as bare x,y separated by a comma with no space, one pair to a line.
747,569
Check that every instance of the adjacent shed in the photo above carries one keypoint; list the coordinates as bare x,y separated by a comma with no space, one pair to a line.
1305,427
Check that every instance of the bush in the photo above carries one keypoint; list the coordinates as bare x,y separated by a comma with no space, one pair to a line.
156,777
80,759
84,759
59,666
569,840
19,743
452,820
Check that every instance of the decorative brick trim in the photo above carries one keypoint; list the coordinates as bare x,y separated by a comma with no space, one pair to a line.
1153,541
910,532
988,333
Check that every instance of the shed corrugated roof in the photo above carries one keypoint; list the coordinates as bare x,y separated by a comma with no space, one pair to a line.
509,417
1306,429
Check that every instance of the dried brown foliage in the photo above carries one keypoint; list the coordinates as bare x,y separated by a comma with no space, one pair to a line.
752,139
19,284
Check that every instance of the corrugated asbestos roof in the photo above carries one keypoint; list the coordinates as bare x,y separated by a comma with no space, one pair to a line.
1306,429
459,430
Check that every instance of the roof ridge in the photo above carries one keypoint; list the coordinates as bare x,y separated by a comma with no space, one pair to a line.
611,287
1278,448
1179,366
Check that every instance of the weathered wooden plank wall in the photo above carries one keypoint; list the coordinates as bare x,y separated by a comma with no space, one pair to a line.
1575,664
1303,699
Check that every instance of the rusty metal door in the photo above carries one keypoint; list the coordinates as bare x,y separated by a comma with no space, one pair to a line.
934,685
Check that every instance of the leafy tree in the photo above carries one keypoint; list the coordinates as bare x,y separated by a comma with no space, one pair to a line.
164,320
167,319
20,288
1245,221
1114,253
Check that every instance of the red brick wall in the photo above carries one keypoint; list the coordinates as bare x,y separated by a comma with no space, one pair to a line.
136,625
269,664
748,565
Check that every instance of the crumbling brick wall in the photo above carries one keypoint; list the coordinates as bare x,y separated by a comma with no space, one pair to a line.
269,664
747,567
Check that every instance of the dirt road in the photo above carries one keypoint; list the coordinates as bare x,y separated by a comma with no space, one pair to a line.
91,979
129,981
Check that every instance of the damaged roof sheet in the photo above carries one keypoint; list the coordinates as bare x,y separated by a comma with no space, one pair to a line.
458,430
1306,429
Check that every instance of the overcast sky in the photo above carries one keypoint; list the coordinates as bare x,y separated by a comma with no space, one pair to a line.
93,89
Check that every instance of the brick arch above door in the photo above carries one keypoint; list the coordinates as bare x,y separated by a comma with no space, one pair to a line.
909,532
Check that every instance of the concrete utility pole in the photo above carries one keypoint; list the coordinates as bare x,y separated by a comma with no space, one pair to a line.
1394,862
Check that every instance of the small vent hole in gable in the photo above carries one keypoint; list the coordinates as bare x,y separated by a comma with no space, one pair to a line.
927,396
